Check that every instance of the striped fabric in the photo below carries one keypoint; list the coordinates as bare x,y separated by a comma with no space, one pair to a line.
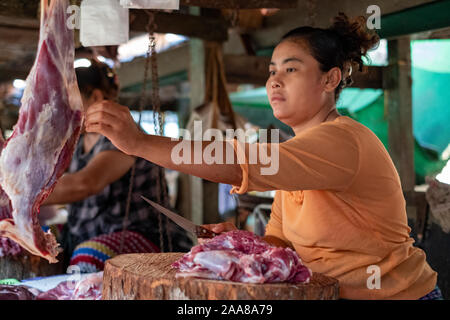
436,294
90,256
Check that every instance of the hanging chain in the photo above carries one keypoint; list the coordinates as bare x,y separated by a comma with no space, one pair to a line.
142,104
234,20
159,127
311,7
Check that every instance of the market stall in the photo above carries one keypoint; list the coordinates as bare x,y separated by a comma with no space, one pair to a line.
115,244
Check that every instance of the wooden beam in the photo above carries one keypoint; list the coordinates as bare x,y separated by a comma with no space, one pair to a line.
19,8
18,49
171,61
167,94
29,8
238,69
241,4
23,23
398,101
443,33
305,14
246,69
424,17
21,41
187,25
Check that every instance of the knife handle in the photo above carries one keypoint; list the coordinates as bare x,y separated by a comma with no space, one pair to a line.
201,232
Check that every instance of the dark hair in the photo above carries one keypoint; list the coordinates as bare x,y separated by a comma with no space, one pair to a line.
97,76
341,45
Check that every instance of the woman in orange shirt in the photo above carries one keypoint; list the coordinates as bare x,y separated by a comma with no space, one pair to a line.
339,201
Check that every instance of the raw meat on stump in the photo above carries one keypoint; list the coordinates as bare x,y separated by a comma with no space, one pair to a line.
42,143
241,256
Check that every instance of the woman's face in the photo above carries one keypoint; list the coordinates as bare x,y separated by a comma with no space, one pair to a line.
295,86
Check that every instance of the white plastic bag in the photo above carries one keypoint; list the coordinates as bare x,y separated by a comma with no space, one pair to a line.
151,4
103,23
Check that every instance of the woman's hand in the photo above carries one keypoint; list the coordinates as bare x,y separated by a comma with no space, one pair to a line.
218,228
116,123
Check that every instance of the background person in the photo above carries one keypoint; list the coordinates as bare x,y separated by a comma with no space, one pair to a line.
96,189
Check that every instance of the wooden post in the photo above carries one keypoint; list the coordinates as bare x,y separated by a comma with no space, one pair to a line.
398,103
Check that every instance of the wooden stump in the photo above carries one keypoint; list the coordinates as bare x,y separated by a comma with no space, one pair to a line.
149,276
27,266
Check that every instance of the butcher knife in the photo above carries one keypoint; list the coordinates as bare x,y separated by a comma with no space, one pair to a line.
199,231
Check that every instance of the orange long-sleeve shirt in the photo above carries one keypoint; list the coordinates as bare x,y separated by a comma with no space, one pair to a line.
340,205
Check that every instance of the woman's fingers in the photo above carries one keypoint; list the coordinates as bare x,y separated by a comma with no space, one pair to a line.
105,106
220,227
102,118
115,122
101,128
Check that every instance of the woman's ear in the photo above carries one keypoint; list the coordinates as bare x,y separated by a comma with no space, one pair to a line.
333,78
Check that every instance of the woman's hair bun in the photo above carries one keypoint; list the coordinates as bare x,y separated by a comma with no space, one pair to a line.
342,45
357,39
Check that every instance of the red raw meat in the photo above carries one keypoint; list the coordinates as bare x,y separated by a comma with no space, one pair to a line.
241,256
43,140
63,291
13,292
89,288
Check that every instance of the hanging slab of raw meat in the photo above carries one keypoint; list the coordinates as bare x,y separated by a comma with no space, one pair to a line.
7,247
44,138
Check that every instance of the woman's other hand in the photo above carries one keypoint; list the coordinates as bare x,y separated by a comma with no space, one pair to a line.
115,122
218,228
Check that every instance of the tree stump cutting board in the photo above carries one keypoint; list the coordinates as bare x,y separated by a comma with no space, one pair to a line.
149,276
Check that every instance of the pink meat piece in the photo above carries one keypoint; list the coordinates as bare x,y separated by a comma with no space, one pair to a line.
89,288
43,140
241,256
9,248
63,291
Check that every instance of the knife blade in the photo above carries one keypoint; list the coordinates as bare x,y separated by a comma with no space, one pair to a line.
184,223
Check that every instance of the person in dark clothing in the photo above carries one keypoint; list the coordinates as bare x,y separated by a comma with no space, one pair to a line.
96,189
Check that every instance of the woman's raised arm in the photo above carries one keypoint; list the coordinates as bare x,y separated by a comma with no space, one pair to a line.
116,123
